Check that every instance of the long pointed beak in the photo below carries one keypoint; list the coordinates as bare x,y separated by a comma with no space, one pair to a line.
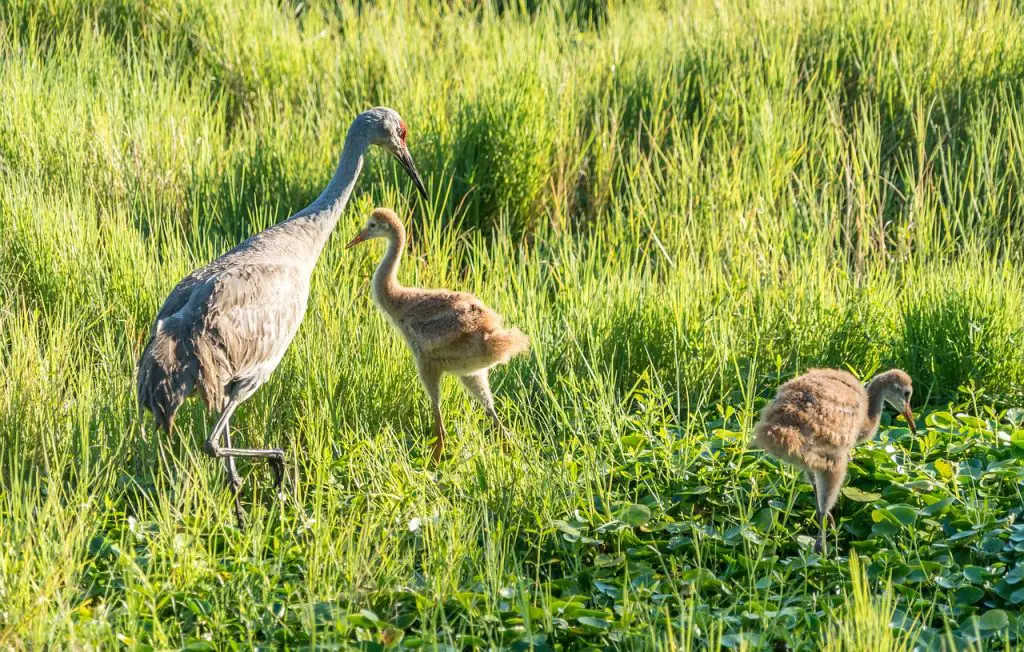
405,159
356,240
909,416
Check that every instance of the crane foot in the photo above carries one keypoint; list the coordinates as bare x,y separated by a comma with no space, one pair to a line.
277,466
239,514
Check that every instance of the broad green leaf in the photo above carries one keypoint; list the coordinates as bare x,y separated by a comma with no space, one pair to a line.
610,590
991,544
885,528
763,519
943,420
968,595
974,574
972,421
1015,415
963,534
369,615
636,515
608,561
633,441
937,507
359,620
905,514
566,528
1016,575
993,619
944,469
853,493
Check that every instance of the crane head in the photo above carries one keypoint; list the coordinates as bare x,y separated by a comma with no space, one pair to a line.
385,128
897,389
383,223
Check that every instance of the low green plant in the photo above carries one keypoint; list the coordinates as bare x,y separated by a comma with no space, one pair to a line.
683,204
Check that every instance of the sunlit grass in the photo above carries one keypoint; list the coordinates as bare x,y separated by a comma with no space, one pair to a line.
682,205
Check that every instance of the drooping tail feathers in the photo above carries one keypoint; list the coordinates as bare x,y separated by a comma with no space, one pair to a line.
508,343
167,374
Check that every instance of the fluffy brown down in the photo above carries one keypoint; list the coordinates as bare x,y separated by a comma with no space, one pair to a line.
815,420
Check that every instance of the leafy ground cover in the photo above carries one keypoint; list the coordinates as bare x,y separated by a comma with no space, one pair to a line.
682,204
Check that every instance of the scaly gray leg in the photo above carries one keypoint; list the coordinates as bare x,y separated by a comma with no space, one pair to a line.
275,456
810,479
235,480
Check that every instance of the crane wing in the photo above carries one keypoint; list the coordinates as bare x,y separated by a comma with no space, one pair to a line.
180,295
253,312
828,407
236,323
438,319
222,267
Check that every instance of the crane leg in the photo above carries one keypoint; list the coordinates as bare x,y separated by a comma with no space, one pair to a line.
810,478
478,385
212,447
235,480
826,489
431,379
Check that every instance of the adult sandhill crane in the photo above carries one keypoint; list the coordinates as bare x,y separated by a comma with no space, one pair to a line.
816,419
225,327
448,332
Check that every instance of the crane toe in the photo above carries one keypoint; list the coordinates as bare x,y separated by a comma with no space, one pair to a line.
277,466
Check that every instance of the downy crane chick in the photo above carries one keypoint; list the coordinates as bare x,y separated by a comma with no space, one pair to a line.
816,419
447,332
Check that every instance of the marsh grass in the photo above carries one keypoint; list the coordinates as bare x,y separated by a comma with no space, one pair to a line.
867,621
683,206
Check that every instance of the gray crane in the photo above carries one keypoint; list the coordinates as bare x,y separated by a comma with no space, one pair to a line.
225,327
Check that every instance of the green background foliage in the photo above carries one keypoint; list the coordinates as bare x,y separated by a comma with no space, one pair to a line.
683,204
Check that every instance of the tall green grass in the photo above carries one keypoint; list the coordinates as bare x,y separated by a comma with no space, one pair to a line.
682,203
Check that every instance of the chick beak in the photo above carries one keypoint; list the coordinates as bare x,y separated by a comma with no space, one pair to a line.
405,159
909,416
356,240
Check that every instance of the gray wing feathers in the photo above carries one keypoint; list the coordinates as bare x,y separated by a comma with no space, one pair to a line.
218,328
179,296
167,371
253,314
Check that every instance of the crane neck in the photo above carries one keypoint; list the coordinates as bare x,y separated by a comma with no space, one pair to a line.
385,278
318,219
876,402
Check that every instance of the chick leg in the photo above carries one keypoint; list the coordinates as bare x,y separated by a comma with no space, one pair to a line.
431,379
810,479
479,387
827,484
